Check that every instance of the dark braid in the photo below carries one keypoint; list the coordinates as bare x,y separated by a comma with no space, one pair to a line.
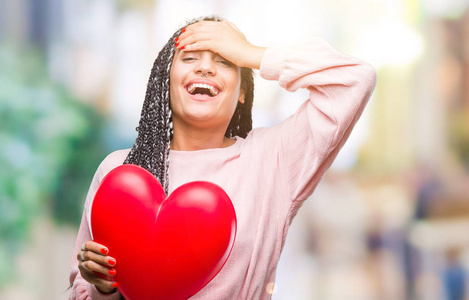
241,122
151,148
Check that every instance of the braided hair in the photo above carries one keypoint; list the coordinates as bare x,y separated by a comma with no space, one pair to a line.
151,148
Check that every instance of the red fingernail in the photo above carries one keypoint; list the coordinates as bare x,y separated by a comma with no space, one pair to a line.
183,47
115,284
112,272
177,39
104,251
177,44
184,30
111,261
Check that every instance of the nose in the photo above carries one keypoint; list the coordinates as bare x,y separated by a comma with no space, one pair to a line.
206,65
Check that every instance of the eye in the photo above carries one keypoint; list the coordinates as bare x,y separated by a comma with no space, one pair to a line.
226,62
188,59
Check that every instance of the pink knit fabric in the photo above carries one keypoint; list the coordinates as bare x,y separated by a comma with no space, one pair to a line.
269,173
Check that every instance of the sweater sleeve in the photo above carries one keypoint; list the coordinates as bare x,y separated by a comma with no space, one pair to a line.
339,87
80,288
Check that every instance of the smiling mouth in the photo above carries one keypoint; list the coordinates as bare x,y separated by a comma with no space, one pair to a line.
202,89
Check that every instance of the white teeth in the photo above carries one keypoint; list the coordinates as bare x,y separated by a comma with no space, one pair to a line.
212,89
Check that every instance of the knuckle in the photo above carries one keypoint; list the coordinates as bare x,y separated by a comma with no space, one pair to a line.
104,259
87,264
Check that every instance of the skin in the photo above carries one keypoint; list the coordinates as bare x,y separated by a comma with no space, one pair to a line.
93,259
217,49
210,43
199,121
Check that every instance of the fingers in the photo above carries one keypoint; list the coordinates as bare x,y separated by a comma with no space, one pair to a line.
96,252
223,38
104,284
98,275
93,266
95,247
203,26
107,261
196,33
214,36
192,42
96,266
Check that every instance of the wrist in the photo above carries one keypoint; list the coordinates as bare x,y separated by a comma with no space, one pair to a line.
104,290
254,58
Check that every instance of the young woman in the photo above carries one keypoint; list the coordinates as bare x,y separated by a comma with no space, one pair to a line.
196,125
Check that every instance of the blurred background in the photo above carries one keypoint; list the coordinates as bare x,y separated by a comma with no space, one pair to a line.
390,220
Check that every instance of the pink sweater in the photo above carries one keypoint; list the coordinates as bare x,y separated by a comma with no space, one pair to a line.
269,173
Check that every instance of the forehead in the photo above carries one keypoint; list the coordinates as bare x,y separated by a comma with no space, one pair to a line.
181,53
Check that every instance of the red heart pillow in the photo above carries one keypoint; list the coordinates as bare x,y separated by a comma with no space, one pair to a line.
165,248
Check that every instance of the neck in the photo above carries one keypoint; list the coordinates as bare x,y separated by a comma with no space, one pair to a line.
192,139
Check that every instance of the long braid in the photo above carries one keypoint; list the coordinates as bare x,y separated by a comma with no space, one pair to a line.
241,122
152,147
168,131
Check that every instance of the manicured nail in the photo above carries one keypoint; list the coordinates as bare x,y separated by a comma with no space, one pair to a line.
177,44
177,39
104,251
111,261
115,284
183,47
184,30
112,272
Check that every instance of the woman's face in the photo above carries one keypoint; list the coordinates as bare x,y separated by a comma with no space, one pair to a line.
204,89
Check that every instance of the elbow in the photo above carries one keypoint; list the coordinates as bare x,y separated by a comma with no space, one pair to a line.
368,76
362,78
363,82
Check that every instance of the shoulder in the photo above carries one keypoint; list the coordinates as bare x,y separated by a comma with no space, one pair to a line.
117,156
113,160
262,137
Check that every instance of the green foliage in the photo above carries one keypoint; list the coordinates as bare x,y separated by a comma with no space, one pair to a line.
49,148
75,176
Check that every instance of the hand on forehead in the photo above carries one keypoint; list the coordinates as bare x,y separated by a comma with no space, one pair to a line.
223,38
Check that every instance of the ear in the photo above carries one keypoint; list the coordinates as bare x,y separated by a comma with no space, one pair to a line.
241,96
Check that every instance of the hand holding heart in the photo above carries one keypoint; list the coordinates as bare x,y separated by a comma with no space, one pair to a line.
96,266
162,248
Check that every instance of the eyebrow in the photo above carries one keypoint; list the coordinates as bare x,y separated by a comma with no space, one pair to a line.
215,55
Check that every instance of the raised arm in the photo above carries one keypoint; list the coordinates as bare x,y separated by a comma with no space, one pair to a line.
339,87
